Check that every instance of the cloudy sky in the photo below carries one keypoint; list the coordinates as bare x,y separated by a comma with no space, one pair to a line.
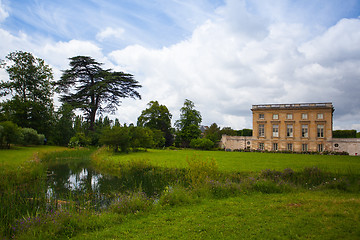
224,55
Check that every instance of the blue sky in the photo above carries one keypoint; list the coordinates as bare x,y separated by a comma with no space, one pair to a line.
222,55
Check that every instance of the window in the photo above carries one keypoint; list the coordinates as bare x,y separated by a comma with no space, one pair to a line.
320,116
275,146
289,147
261,116
261,146
336,145
275,116
304,116
275,130
320,147
289,116
261,130
304,147
304,131
320,131
289,130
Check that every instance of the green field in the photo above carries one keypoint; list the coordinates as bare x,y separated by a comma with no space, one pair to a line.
246,161
207,197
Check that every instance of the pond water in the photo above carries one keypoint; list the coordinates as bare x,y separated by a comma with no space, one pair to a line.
79,183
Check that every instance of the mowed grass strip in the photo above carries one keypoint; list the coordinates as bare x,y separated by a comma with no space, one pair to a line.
246,161
305,215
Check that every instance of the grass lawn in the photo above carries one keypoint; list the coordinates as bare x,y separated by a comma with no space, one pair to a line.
247,162
17,155
305,215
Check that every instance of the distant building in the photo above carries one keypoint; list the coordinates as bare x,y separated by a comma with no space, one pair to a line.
301,127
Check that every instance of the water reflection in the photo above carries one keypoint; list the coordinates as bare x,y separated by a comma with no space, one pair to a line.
81,184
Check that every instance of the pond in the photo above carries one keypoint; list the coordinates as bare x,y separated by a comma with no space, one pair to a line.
71,180
79,183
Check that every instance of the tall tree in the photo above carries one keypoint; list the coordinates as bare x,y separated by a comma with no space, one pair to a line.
88,87
213,133
188,124
31,87
157,117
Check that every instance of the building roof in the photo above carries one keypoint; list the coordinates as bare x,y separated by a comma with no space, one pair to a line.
292,106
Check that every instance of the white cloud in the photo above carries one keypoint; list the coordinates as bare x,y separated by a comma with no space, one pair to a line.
225,70
109,32
233,60
3,13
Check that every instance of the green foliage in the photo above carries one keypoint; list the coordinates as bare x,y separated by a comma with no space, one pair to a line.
116,137
344,134
9,134
141,137
79,140
188,124
184,137
31,87
158,138
198,170
213,133
228,131
88,87
188,115
63,127
244,132
202,143
176,196
30,78
157,117
131,203
29,136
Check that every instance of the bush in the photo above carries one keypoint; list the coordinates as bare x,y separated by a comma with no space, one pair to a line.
199,170
79,140
29,136
202,143
9,134
133,203
176,195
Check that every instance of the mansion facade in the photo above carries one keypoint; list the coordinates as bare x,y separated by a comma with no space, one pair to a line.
301,127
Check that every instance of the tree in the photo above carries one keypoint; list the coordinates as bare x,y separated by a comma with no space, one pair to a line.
344,134
157,117
9,132
188,125
116,137
63,129
31,87
228,131
88,87
213,133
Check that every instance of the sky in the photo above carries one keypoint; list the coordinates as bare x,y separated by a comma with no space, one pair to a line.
223,55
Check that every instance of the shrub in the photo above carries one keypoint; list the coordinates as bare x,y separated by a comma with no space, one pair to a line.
29,136
268,187
175,195
9,134
202,143
116,137
199,170
131,203
79,140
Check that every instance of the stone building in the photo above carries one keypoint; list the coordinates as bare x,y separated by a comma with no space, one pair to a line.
292,127
300,127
